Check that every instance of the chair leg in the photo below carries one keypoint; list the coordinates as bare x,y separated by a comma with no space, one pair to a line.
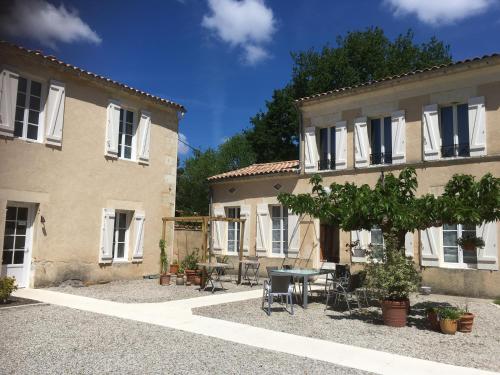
346,297
291,303
270,302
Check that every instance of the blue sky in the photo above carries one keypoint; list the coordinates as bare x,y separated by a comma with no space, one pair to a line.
223,58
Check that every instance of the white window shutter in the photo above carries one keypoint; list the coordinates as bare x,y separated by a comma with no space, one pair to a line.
145,134
55,113
363,239
8,97
341,145
112,129
430,245
218,229
263,229
361,143
139,226
310,149
409,244
487,257
398,137
477,126
293,234
107,232
245,214
432,138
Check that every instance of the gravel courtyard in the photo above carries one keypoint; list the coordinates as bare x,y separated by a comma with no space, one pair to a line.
46,339
145,291
480,349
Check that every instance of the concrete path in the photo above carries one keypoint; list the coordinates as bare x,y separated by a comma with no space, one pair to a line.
178,315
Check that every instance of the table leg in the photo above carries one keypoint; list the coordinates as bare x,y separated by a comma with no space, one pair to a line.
304,293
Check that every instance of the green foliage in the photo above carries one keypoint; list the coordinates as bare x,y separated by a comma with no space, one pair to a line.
7,286
451,313
358,57
190,261
192,185
163,258
496,301
393,277
472,241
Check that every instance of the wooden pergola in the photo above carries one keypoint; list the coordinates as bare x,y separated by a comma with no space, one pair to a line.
204,220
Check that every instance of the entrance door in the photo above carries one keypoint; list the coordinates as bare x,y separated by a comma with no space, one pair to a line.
330,243
17,242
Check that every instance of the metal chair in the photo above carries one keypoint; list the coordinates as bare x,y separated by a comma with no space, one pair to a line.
342,289
278,286
224,271
254,268
269,269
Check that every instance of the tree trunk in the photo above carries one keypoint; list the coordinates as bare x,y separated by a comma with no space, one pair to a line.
394,239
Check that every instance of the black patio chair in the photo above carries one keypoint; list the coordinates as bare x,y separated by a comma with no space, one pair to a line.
278,286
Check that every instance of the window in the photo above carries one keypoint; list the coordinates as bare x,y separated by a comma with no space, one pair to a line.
377,242
126,134
16,225
28,107
454,130
121,234
454,254
326,149
233,230
279,218
381,140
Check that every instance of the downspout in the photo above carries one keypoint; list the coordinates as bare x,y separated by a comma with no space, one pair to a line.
301,125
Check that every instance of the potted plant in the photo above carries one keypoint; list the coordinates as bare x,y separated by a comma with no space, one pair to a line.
180,276
164,275
393,277
7,286
190,265
432,318
448,319
174,267
466,321
470,243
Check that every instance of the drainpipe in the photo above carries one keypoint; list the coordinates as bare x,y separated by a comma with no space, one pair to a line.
301,125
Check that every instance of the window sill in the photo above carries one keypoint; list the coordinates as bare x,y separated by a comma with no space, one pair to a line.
120,261
358,260
274,255
456,266
28,140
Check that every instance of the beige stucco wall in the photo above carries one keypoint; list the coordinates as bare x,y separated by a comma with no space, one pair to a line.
73,183
186,241
432,176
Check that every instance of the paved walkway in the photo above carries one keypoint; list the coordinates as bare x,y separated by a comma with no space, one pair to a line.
178,315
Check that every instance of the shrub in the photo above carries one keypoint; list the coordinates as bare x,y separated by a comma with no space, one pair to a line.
451,313
473,241
190,261
163,258
497,301
7,286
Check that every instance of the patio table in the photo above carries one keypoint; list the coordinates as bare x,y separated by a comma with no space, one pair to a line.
254,266
304,274
213,274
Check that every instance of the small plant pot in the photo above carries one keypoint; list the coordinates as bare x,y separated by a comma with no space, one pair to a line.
470,247
197,279
465,323
190,275
174,268
165,279
395,313
448,326
179,280
433,321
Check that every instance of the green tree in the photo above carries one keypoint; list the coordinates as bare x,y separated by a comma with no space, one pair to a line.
358,57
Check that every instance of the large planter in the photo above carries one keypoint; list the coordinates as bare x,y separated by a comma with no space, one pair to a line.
395,313
432,319
190,276
165,279
465,323
448,326
174,268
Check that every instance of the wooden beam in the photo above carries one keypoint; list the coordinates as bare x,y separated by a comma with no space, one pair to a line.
200,219
240,250
204,244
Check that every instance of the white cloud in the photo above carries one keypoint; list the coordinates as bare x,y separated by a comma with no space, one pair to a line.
248,24
436,12
46,23
182,148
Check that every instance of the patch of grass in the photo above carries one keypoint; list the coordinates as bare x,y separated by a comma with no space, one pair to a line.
497,301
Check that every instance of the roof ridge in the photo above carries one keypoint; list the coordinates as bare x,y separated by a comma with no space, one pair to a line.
68,66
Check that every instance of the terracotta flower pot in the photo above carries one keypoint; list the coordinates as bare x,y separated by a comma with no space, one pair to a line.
395,313
165,279
197,279
174,268
432,319
448,326
465,323
190,275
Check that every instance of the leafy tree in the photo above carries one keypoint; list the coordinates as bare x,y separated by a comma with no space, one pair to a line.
358,57
393,206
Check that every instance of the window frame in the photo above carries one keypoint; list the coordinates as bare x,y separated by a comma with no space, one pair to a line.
460,264
126,246
380,118
41,116
133,152
236,229
283,250
456,144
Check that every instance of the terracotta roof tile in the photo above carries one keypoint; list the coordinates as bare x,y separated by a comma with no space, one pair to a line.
79,71
390,78
260,169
